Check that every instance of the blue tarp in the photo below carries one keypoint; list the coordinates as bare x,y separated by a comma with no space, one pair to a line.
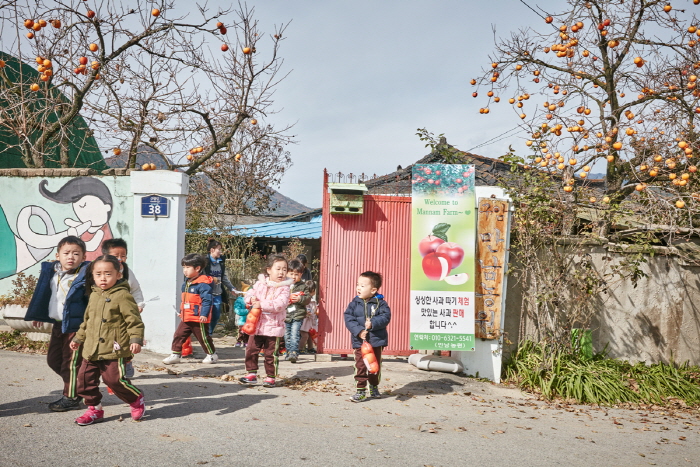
310,229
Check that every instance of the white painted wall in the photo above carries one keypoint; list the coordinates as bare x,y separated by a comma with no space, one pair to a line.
486,359
156,252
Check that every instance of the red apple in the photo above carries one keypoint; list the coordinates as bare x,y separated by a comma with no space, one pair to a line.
429,244
453,251
436,266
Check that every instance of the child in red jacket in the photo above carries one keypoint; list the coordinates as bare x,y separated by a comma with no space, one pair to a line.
195,310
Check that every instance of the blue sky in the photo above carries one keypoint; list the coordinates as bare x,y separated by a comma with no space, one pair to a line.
365,75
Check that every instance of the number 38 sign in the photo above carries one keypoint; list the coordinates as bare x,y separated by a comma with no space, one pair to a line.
154,206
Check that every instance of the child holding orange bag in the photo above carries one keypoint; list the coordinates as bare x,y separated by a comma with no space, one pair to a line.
367,317
268,300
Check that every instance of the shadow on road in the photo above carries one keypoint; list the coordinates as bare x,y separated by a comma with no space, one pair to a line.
427,387
173,397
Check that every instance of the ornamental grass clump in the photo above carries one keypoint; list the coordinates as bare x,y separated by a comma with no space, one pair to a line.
566,373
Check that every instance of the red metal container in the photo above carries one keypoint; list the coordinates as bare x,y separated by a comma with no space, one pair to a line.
377,240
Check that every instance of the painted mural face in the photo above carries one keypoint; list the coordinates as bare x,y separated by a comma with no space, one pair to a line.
93,210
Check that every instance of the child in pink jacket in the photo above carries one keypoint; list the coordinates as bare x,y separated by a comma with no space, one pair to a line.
271,294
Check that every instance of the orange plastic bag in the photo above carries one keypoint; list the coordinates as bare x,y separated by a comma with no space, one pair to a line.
187,347
369,358
251,321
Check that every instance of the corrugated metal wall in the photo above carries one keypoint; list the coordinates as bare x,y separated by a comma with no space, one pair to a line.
377,240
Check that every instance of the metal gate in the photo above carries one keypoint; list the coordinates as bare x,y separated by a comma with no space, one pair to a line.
377,240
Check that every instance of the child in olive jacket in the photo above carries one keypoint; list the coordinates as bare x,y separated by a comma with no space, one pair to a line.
299,297
111,334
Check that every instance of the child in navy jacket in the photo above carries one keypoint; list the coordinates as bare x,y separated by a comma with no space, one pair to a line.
59,298
367,317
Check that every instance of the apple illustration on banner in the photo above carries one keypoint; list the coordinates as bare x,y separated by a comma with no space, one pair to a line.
436,266
452,251
440,256
429,244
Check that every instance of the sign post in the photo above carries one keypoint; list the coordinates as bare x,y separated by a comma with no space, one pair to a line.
154,206
443,231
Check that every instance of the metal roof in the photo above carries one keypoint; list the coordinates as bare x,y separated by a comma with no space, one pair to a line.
308,230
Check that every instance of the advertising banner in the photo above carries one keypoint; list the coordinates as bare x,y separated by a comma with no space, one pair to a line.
443,236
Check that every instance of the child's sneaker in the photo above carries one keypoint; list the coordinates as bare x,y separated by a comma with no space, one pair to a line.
269,382
293,357
91,415
109,391
138,408
359,396
250,378
238,344
211,358
64,404
374,392
173,358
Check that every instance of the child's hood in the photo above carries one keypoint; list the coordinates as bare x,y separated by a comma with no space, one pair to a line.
121,285
203,279
270,283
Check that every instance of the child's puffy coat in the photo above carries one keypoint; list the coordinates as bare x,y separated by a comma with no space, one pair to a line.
274,298
196,299
112,317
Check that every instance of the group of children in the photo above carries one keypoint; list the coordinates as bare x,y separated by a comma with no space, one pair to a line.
95,308
97,325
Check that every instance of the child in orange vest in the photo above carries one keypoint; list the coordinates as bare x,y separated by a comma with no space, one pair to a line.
195,310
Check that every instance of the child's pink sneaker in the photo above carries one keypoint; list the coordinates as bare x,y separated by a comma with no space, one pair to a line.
91,415
138,408
269,382
250,378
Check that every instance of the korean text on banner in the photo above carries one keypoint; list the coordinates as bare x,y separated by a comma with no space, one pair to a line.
443,235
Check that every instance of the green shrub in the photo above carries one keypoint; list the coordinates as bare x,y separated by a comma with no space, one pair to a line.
571,375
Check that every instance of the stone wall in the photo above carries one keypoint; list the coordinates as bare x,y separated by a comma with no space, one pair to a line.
656,320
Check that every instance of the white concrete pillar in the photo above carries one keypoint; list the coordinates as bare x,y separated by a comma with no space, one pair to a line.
156,251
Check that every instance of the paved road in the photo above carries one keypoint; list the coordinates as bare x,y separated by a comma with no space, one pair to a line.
195,418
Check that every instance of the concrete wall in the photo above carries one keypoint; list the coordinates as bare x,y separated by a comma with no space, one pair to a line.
37,211
657,320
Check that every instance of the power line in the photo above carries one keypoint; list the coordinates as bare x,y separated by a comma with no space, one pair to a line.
493,140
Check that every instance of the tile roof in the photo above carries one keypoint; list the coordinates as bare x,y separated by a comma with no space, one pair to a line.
487,170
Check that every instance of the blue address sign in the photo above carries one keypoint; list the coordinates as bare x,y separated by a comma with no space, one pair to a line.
154,206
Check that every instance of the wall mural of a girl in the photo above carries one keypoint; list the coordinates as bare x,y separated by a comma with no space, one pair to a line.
92,205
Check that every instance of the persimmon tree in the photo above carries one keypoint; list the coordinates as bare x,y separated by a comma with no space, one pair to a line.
196,85
608,86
